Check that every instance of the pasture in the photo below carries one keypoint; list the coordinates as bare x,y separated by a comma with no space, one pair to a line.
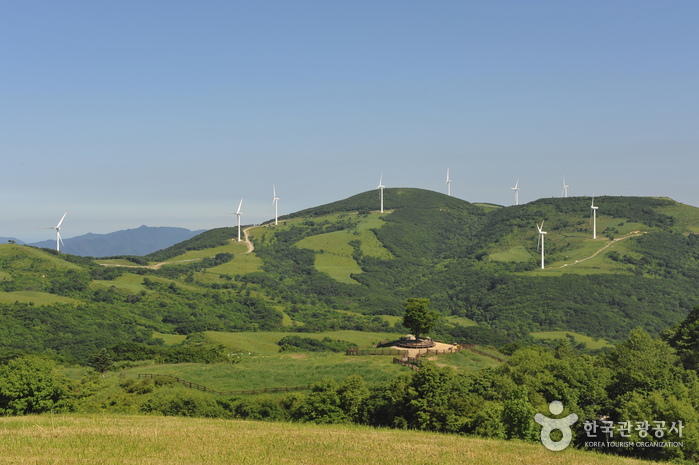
591,343
177,440
37,297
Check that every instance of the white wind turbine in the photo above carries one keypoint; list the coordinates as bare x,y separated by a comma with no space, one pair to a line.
541,241
58,234
593,217
448,183
564,192
239,214
381,187
275,202
516,189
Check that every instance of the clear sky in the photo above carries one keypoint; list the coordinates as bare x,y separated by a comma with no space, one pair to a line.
166,113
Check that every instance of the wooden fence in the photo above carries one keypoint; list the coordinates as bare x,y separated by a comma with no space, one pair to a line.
405,363
200,387
357,351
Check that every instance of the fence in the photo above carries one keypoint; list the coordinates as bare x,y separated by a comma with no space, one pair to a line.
428,352
405,363
200,387
375,352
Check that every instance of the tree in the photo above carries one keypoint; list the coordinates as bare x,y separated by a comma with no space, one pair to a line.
419,318
29,385
100,361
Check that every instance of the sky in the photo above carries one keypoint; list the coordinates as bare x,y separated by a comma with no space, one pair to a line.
166,113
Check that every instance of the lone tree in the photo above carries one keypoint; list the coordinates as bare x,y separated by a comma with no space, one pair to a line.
101,361
419,318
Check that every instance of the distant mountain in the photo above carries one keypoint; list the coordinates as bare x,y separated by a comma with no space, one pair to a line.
139,241
5,240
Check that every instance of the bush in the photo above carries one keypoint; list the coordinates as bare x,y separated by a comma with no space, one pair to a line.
29,385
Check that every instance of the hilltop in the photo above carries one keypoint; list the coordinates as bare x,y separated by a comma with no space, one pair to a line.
345,266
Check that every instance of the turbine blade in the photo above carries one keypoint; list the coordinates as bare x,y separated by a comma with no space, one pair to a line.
274,191
59,223
60,238
239,205
517,183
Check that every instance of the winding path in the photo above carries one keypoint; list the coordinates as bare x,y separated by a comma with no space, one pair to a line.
157,266
608,244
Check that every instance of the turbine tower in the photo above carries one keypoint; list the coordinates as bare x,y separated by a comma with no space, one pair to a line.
58,233
381,187
448,183
564,193
239,214
516,189
593,217
541,241
275,202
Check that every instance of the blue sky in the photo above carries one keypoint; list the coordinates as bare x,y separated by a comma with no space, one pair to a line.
166,113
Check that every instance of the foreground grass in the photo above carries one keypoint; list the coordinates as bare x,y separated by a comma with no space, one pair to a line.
175,440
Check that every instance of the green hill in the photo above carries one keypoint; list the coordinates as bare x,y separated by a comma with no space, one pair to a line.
344,266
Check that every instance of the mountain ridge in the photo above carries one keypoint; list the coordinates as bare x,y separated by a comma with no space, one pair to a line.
136,241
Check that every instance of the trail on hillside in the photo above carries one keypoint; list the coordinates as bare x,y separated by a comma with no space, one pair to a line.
247,239
608,244
157,266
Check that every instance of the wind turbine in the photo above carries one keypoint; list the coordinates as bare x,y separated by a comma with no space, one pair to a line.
239,214
564,192
516,189
58,234
275,202
593,215
541,241
381,187
448,183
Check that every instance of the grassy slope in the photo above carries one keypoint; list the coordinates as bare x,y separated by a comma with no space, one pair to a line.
37,297
336,256
175,440
591,343
266,342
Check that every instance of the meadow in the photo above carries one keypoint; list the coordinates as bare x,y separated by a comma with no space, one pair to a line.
36,297
64,439
590,342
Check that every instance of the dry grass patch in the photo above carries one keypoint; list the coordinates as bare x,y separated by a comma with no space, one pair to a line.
175,440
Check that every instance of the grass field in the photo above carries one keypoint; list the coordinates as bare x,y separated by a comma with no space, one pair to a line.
487,206
232,247
39,298
266,342
462,320
132,283
686,217
115,261
169,339
589,342
578,261
21,254
281,370
515,254
335,253
64,439
241,264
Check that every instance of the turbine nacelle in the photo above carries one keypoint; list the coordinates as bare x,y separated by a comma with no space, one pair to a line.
58,229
